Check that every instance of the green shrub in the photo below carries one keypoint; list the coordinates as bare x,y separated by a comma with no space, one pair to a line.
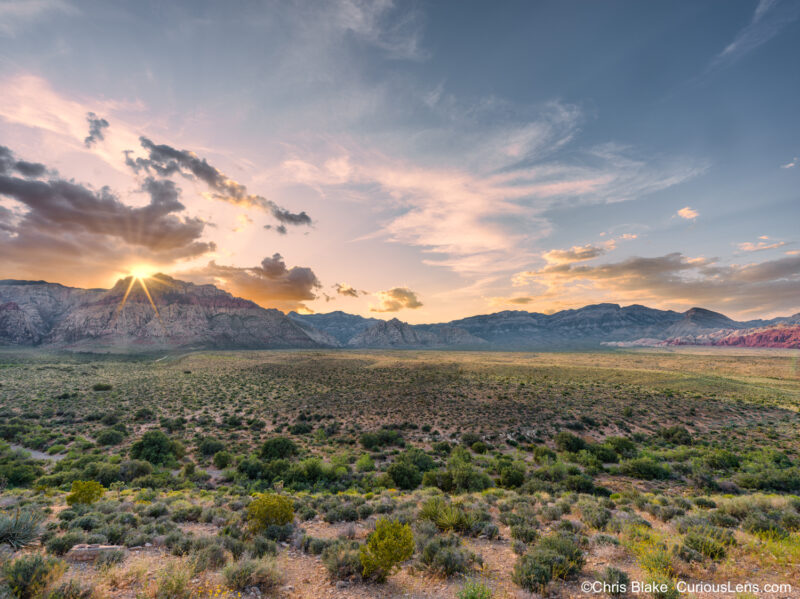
677,435
172,583
341,559
269,509
223,459
209,446
405,475
390,544
108,558
155,447
110,436
210,557
278,448
61,544
709,541
566,441
365,463
445,556
593,514
19,529
556,556
644,468
473,589
29,575
615,581
71,590
512,476
261,573
85,492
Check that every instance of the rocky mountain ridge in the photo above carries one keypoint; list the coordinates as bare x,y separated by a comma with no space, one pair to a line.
184,315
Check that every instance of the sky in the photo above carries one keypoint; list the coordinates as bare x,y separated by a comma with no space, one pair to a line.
425,160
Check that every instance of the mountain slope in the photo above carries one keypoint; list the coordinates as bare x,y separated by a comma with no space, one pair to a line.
339,325
395,333
188,316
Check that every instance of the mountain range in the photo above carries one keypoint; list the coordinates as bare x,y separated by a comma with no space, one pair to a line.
168,314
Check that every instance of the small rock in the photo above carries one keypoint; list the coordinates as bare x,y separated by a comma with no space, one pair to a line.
84,552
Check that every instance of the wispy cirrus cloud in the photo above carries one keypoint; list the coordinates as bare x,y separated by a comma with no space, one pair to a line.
763,243
477,215
769,18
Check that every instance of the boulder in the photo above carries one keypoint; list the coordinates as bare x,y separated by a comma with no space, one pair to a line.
85,552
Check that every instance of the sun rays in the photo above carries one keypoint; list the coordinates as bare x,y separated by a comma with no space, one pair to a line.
140,274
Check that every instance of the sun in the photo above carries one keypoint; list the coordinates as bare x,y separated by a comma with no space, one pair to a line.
142,271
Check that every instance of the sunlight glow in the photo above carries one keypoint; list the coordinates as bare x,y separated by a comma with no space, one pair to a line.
142,271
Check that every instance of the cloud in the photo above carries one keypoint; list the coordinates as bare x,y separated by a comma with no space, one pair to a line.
15,13
62,226
770,286
396,299
759,246
345,289
166,161
688,213
270,284
477,221
379,24
96,126
769,19
576,253
791,164
27,169
518,300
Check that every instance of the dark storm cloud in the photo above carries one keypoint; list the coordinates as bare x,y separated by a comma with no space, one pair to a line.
96,126
279,229
27,169
56,221
345,289
271,284
166,161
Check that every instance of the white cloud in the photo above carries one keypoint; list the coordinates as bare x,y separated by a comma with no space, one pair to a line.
688,213
749,246
768,20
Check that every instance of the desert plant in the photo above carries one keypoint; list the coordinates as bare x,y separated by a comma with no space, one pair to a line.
19,529
71,590
473,589
341,559
615,581
269,509
85,492
556,556
155,447
29,575
261,573
390,544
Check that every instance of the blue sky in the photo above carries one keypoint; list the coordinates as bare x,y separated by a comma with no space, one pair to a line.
451,158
